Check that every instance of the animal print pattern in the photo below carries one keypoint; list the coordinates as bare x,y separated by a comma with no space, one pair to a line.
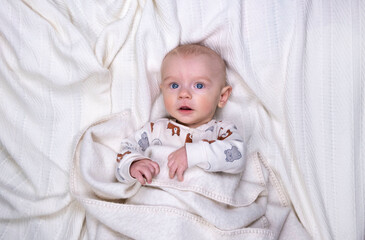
175,129
143,142
232,154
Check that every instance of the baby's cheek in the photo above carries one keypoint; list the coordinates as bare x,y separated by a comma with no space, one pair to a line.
168,103
209,105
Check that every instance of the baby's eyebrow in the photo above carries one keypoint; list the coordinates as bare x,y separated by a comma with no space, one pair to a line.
207,79
168,78
197,78
204,78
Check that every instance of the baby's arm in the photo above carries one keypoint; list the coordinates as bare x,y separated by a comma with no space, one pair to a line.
132,164
226,153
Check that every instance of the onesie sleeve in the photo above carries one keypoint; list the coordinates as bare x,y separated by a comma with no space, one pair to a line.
131,150
224,153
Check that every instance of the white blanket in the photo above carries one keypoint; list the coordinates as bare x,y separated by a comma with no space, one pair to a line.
252,205
296,67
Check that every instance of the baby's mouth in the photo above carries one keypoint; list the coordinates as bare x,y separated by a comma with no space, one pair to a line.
185,108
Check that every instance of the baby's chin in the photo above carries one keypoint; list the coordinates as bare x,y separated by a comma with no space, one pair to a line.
182,122
191,124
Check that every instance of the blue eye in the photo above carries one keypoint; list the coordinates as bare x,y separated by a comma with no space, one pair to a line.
174,85
199,85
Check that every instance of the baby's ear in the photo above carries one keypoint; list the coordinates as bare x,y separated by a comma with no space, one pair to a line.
225,93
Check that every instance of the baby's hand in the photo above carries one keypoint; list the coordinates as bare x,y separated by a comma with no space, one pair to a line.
178,163
144,169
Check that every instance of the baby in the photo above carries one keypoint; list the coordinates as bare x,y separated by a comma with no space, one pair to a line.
193,86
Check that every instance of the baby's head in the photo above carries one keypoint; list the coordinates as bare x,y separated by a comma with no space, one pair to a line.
193,84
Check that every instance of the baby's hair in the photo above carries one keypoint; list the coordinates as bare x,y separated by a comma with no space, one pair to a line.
197,49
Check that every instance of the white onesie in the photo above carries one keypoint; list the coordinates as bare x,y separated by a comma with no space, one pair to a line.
215,146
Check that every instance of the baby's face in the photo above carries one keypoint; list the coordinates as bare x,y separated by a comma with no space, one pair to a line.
193,87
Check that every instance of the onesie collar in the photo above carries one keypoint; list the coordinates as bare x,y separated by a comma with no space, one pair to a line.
201,127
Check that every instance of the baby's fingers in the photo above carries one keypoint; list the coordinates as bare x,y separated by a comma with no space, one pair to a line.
172,171
148,175
170,160
140,178
150,168
170,163
180,174
156,168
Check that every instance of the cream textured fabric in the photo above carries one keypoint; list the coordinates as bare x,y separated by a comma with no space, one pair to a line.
297,69
250,204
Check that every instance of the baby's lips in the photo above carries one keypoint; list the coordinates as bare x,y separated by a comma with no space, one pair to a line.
185,108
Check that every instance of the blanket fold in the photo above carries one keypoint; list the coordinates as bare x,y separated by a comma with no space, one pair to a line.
297,72
207,205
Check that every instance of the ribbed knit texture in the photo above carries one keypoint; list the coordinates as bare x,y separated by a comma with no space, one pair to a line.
297,69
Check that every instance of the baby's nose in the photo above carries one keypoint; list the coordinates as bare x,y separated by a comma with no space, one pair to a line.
184,93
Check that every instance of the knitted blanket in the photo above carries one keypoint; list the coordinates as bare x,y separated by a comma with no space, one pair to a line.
250,205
